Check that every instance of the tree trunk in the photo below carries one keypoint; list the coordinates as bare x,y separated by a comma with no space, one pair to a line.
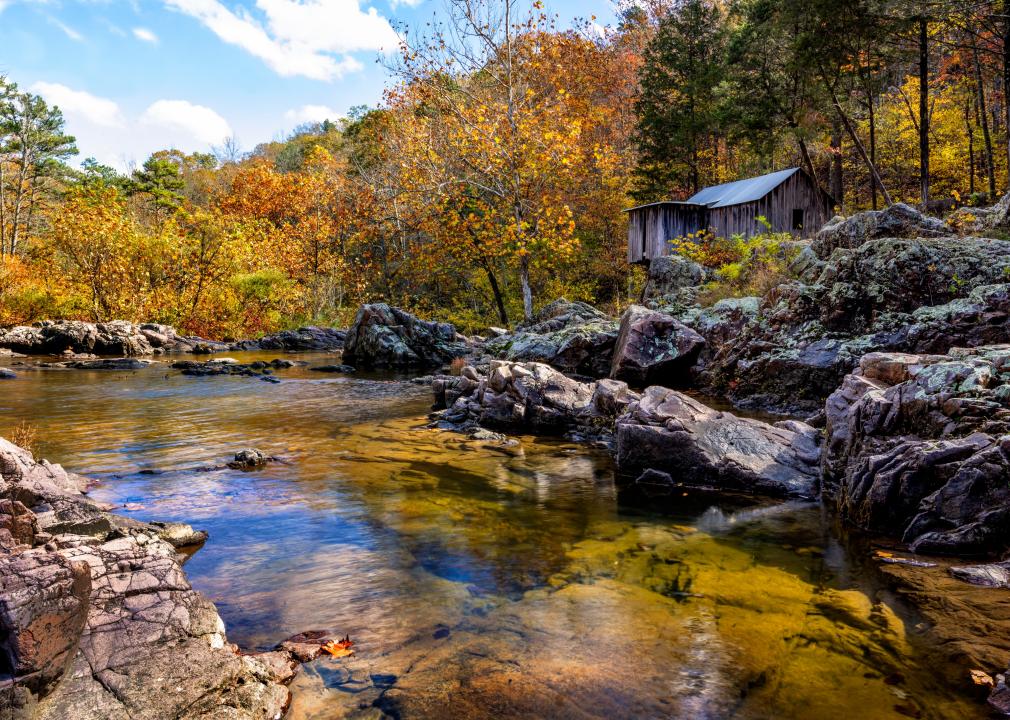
835,182
984,117
873,146
524,276
496,291
1006,77
970,128
924,110
860,148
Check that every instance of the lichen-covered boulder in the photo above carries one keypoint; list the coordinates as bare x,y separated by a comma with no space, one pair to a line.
573,337
654,348
919,447
983,220
384,336
670,432
897,221
890,295
670,274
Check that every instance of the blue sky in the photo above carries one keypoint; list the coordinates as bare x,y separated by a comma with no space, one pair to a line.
135,76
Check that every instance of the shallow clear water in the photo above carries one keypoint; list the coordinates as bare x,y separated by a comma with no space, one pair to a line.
478,582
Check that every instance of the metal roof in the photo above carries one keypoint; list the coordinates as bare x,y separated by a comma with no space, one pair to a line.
664,202
741,191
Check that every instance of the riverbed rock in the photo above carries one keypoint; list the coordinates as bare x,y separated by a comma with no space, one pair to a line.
529,397
654,348
993,575
7,374
249,459
670,432
384,336
573,337
926,458
305,339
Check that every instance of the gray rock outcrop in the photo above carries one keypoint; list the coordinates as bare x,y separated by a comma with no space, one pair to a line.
669,432
384,336
573,337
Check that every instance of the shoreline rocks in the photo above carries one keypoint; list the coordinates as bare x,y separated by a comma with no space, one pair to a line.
98,620
919,447
529,397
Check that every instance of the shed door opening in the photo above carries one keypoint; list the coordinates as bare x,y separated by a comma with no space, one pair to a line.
798,219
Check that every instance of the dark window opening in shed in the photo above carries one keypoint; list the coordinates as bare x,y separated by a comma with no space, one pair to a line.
798,219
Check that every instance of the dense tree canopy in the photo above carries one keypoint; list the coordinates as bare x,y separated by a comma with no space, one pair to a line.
494,175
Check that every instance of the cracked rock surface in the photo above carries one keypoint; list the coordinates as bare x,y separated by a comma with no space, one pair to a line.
98,619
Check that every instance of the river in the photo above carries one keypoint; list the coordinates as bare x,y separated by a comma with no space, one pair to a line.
478,581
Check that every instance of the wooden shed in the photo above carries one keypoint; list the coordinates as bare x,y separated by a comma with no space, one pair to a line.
789,200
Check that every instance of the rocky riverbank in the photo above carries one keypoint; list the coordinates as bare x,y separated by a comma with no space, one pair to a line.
98,620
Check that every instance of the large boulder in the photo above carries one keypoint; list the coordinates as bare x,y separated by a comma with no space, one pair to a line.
384,336
919,448
573,337
529,397
897,221
654,348
669,432
669,276
895,295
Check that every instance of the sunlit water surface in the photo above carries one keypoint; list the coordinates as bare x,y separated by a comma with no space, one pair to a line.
477,582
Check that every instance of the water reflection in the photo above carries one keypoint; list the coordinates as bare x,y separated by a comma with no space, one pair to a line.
476,582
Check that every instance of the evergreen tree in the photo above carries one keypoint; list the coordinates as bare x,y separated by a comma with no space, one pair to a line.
677,110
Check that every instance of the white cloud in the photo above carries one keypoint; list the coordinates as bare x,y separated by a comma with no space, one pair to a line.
67,30
310,38
145,35
196,121
80,104
311,114
409,3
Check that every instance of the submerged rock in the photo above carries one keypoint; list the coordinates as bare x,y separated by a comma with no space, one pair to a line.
345,369
994,575
573,337
384,336
672,433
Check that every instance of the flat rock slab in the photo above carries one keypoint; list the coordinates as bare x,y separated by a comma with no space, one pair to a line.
696,445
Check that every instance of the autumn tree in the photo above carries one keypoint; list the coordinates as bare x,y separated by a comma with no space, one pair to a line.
486,126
